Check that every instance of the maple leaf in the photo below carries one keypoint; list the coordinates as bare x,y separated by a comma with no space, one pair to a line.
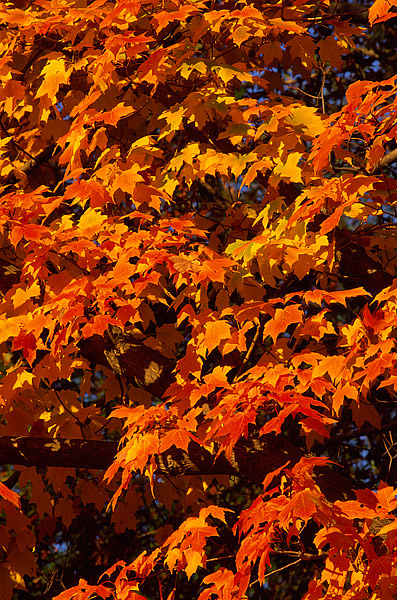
214,333
126,180
286,25
305,117
91,222
304,504
227,73
164,17
9,495
130,130
21,296
215,269
179,438
83,591
98,325
112,117
379,11
289,169
55,74
386,496
123,270
92,190
194,560
28,343
29,231
283,318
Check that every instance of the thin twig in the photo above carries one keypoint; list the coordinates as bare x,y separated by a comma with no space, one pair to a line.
250,350
343,437
321,92
13,142
278,570
79,423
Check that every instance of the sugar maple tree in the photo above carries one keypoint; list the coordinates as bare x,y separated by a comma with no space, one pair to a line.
198,313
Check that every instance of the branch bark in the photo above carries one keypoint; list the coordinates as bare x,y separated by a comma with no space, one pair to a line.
386,161
130,358
35,163
251,461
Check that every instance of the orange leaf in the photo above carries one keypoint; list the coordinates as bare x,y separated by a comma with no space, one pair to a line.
99,324
9,495
215,332
379,11
180,438
283,318
305,504
55,74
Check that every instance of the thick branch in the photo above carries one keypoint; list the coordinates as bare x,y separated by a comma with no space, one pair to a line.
386,161
34,163
9,275
130,358
49,452
357,433
251,461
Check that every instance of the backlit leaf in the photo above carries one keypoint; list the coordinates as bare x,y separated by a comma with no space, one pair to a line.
283,318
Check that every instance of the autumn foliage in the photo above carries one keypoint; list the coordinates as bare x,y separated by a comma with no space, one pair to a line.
198,300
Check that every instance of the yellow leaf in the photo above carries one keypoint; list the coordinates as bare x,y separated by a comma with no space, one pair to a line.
21,296
289,26
91,222
289,170
240,35
22,378
260,165
227,73
9,328
174,118
54,74
193,64
306,118
379,11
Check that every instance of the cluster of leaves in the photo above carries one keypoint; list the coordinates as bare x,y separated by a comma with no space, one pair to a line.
197,224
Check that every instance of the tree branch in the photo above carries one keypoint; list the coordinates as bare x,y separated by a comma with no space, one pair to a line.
251,460
386,161
35,163
56,452
364,432
130,358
